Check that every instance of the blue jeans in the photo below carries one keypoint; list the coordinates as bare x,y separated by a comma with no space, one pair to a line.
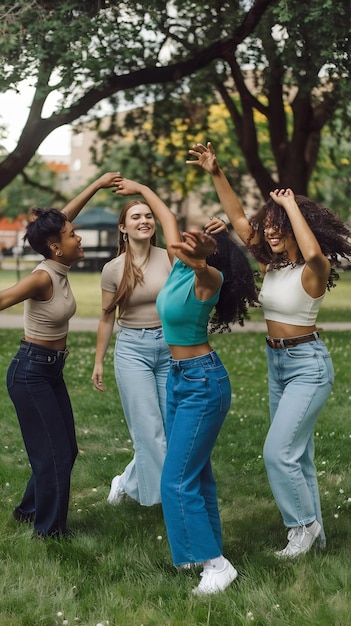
198,399
141,368
37,389
300,381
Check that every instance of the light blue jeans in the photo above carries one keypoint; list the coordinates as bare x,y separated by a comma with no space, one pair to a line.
198,399
300,381
141,363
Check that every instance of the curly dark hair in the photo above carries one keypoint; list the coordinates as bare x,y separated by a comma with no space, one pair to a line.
44,227
238,289
333,236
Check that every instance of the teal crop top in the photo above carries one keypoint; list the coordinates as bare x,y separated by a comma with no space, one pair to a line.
184,317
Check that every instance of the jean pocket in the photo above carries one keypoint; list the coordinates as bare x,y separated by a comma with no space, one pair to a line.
330,368
226,393
194,375
11,373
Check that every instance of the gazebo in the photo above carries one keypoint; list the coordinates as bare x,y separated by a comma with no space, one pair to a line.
99,237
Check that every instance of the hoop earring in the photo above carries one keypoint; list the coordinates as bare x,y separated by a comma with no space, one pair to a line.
125,237
58,253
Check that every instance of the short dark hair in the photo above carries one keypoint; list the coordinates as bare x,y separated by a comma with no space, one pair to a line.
44,227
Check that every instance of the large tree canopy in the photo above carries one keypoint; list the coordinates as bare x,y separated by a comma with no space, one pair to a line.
287,62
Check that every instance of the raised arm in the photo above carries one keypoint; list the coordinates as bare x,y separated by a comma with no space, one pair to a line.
193,251
309,247
71,210
205,157
161,211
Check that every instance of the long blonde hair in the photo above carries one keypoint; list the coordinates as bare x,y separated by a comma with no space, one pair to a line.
132,274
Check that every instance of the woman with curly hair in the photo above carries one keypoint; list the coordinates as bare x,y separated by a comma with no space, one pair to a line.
198,386
296,243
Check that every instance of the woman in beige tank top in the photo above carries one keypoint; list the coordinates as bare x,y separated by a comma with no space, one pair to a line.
35,376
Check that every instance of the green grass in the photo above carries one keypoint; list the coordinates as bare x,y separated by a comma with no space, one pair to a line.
86,288
117,569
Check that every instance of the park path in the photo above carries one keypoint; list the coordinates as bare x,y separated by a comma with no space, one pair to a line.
91,324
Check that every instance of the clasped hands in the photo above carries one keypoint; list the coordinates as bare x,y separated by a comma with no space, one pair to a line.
195,248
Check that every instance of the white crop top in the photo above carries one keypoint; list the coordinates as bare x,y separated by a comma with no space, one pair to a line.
141,309
283,298
48,319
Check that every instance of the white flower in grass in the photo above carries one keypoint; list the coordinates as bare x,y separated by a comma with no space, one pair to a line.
349,499
341,491
250,616
336,515
59,614
159,538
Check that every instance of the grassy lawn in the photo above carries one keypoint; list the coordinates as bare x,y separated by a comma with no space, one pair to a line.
117,569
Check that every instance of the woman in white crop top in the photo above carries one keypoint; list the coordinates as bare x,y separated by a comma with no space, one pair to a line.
296,243
35,376
130,284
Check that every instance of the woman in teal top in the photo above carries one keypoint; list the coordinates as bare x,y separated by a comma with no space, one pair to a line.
198,386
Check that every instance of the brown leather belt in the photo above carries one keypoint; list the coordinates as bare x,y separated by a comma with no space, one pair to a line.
291,341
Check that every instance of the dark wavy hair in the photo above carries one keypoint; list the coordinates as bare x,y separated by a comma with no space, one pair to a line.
331,233
44,227
238,289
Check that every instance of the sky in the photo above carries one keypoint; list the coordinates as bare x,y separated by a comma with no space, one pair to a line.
13,115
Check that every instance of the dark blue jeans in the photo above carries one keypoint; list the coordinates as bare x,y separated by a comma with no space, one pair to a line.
37,389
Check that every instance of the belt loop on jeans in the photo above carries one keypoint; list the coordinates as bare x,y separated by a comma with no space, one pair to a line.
63,353
25,345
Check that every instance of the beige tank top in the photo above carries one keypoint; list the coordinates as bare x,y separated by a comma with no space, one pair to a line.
48,319
141,311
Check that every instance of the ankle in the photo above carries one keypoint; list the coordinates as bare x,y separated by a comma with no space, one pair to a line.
217,563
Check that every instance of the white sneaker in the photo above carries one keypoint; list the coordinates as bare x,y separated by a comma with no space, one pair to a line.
116,494
215,580
300,540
